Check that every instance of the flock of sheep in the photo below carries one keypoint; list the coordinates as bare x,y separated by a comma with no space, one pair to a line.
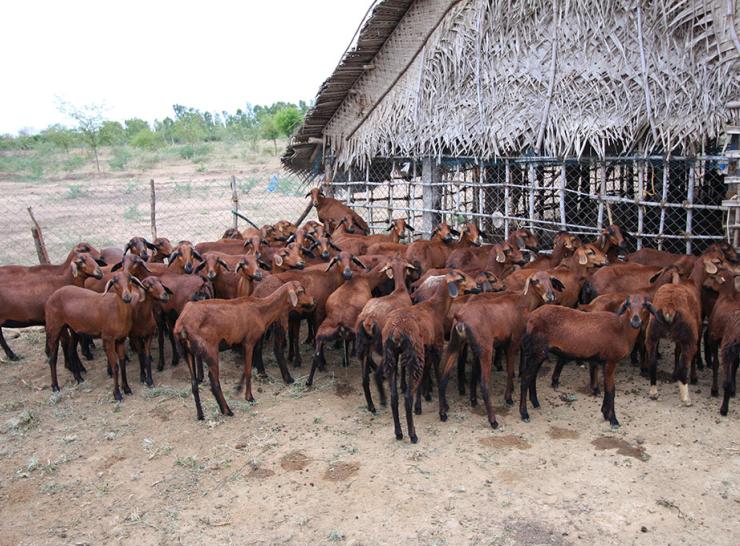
390,304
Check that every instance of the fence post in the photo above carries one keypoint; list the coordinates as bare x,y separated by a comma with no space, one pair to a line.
602,194
153,207
690,210
507,199
638,201
663,198
234,200
431,196
38,240
370,197
532,188
562,197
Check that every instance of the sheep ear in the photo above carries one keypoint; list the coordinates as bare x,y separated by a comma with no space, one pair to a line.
452,289
455,232
117,266
278,260
290,239
410,227
557,284
75,270
127,248
526,287
335,247
389,273
108,285
264,265
200,266
172,257
656,276
170,292
390,227
149,245
520,243
223,264
737,283
307,252
308,194
137,281
331,263
624,307
500,255
710,267
101,262
582,258
293,297
197,255
358,262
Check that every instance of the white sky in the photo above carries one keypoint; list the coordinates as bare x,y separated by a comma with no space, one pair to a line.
141,57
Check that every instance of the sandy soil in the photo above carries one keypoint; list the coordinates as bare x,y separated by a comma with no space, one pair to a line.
314,467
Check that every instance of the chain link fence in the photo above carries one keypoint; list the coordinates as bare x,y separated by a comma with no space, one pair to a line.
670,204
110,213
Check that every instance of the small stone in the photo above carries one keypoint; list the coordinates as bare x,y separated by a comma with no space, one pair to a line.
644,529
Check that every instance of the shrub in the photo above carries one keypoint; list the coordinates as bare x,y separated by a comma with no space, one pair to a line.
147,140
121,157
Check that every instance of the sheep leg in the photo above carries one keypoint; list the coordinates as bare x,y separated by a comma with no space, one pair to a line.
412,385
686,360
345,352
485,377
311,334
424,384
86,345
497,356
593,372
121,348
213,378
461,360
247,372
379,385
294,330
52,345
173,342
555,382
318,357
651,360
712,358
532,358
199,368
72,359
69,359
609,393
147,350
694,364
365,362
160,343
257,358
475,373
512,356
194,383
8,351
391,365
136,347
112,355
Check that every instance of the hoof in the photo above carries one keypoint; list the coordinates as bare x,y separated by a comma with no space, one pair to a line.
687,403
238,389
525,417
723,412
443,417
417,411
79,380
615,424
127,390
289,380
644,373
694,381
414,439
160,368
509,402
428,397
494,425
461,391
535,404
371,409
596,391
715,392
117,396
55,388
555,384
309,383
473,403
229,413
200,417
14,358
150,383
110,372
399,436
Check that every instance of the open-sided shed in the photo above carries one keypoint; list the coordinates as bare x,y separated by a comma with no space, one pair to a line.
556,114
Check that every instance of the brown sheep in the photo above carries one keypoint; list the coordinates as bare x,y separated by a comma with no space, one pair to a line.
330,210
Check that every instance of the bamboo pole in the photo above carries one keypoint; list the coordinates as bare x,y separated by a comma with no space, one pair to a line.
690,210
38,240
602,194
507,203
663,199
640,208
234,200
532,188
153,208
562,197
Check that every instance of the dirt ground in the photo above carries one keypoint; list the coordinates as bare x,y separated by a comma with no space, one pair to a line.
314,467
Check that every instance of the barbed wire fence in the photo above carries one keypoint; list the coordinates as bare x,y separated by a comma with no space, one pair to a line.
669,204
110,213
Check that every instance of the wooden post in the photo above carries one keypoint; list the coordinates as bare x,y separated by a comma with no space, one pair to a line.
690,209
532,190
602,194
507,199
641,172
38,240
563,222
431,196
153,206
663,198
234,200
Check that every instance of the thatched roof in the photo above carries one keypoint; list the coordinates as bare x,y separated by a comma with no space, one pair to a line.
555,77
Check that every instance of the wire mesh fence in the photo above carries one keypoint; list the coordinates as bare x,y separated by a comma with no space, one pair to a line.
110,213
670,204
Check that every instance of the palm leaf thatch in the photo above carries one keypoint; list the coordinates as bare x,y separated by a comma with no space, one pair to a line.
498,78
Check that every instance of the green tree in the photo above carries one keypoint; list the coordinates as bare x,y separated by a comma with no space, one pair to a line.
112,133
190,125
134,126
60,136
147,139
287,119
89,120
165,128
270,130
